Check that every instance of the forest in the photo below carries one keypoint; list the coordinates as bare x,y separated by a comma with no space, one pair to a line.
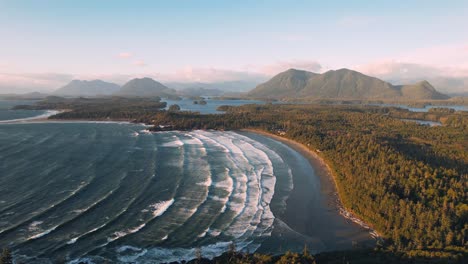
107,108
408,181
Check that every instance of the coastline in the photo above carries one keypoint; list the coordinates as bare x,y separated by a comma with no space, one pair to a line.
298,217
42,117
45,118
329,187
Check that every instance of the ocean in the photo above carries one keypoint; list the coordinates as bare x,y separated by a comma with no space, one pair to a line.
6,113
91,191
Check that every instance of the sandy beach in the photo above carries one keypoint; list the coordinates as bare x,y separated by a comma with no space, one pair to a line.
321,219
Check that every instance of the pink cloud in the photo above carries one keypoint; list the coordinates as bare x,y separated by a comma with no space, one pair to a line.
125,55
191,74
10,82
443,60
280,66
139,63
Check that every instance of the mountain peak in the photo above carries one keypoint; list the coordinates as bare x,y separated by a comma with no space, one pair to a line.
425,83
339,84
144,87
87,88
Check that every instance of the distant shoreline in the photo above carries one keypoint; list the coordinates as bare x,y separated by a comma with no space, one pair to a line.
327,178
38,118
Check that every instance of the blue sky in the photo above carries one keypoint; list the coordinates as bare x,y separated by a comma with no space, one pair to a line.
223,40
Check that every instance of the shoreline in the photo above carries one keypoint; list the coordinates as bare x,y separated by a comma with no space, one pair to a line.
327,178
41,117
329,187
45,118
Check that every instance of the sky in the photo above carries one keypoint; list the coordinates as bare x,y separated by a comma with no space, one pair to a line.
45,44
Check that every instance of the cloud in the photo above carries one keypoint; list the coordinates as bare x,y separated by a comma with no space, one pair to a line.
445,79
27,82
139,63
399,70
448,56
125,55
280,66
444,60
445,66
209,75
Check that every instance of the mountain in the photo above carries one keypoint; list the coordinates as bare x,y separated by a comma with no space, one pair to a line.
421,90
340,84
25,96
285,84
144,87
87,88
448,85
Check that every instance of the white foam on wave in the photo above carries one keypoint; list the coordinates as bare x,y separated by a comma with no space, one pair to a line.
81,260
145,131
73,240
203,234
160,208
34,226
193,140
174,144
234,177
253,189
239,165
207,182
42,233
268,181
194,161
157,209
160,254
226,184
217,198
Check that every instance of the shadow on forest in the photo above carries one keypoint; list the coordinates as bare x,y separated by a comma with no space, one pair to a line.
365,256
425,153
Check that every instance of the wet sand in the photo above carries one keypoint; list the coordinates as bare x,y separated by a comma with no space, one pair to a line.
314,213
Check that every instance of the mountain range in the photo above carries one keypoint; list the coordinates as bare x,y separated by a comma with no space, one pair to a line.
340,84
87,88
144,87
292,84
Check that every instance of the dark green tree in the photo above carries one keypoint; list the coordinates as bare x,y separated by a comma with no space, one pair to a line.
6,257
174,108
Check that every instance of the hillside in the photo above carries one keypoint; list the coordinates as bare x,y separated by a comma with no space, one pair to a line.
421,90
340,84
285,84
144,87
87,88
